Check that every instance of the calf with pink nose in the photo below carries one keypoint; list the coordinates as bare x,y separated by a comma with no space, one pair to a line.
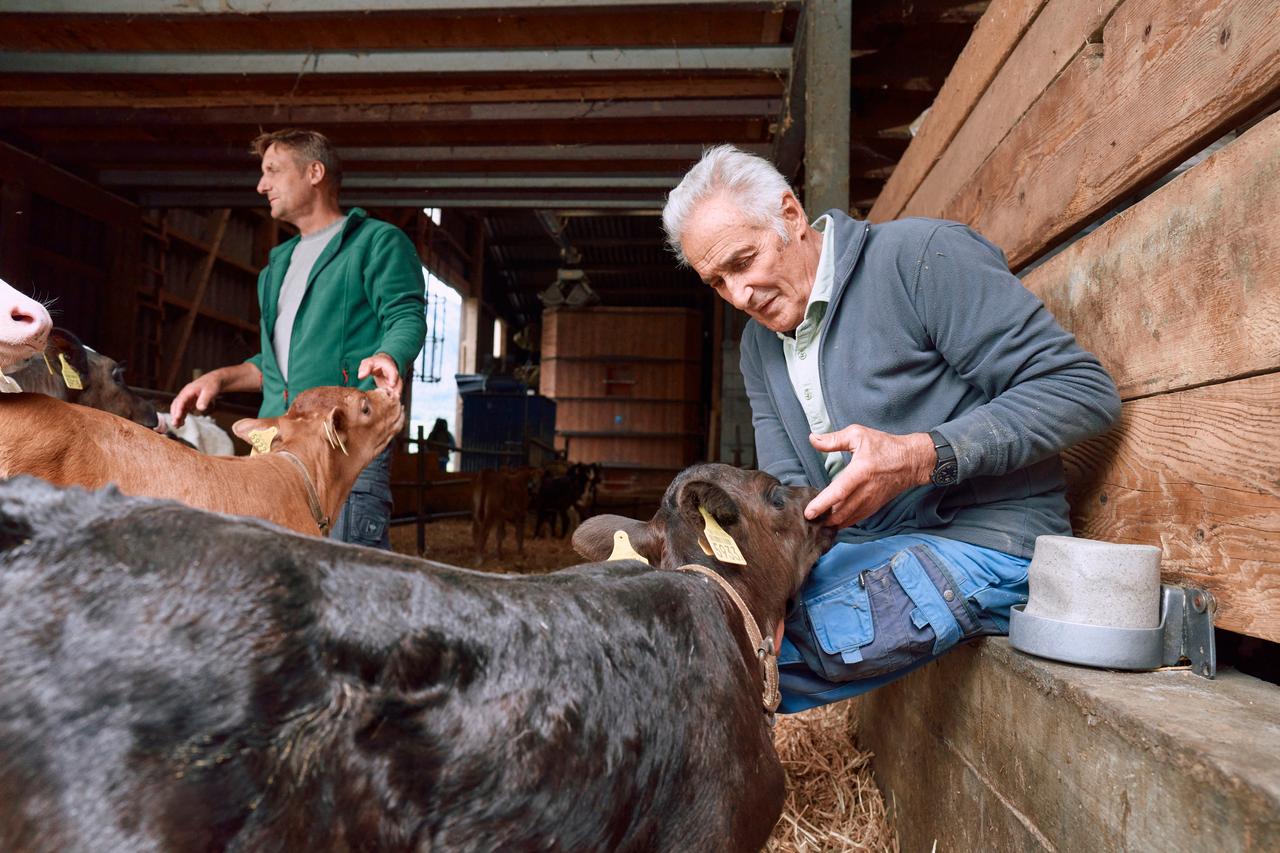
175,680
24,326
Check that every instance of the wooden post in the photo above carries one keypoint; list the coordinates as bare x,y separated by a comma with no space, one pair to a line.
202,274
828,34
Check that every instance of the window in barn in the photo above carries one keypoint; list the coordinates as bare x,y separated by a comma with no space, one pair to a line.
435,392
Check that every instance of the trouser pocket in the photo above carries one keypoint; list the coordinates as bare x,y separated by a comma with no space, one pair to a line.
883,619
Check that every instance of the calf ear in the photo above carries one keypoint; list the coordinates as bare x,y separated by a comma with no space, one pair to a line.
704,493
244,426
62,342
594,538
335,429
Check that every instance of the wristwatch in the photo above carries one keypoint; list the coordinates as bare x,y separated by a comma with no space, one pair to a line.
945,471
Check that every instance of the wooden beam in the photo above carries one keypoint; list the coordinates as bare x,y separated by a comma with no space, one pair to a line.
826,142
1063,29
1121,117
1193,472
51,182
382,198
362,180
1183,289
495,155
296,63
200,278
416,114
134,8
788,138
994,38
33,90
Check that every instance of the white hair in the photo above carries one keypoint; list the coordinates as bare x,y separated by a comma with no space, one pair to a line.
753,185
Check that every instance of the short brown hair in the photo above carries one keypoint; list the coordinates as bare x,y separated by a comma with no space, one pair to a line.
306,145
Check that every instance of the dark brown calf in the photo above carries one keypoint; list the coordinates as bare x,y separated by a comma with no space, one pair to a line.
499,497
101,379
175,680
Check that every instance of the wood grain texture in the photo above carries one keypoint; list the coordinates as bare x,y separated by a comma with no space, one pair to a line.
1058,34
1197,473
1182,289
1171,77
994,38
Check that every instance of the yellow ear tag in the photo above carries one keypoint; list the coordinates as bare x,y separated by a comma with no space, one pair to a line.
622,549
722,544
69,376
261,440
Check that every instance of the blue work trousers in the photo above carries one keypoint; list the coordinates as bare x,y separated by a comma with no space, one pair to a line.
365,519
871,612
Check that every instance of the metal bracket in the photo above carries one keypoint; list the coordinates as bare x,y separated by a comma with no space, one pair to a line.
1185,632
1187,620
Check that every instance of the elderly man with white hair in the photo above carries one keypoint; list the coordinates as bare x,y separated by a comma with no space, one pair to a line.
903,371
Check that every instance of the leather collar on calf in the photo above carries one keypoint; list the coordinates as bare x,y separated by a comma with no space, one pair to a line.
313,499
763,646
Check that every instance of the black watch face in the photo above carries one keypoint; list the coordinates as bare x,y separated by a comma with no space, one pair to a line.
946,473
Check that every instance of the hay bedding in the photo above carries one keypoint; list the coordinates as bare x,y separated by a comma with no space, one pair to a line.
832,802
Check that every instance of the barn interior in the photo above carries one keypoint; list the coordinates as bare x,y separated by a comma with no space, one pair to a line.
525,146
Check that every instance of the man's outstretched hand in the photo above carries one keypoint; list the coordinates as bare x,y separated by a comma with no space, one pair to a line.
386,374
882,467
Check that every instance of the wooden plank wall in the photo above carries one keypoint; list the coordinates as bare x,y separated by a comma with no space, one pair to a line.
1179,295
65,238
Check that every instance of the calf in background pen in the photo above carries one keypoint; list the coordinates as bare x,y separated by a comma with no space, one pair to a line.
67,363
175,680
24,326
499,497
327,437
564,487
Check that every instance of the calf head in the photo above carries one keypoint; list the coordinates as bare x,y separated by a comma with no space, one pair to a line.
24,326
333,424
68,363
765,518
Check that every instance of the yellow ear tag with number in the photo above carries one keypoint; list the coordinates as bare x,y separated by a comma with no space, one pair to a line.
261,440
722,544
70,377
622,549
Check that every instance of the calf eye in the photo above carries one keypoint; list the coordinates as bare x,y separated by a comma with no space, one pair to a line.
778,499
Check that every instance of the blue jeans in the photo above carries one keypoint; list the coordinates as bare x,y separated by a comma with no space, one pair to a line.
871,612
365,519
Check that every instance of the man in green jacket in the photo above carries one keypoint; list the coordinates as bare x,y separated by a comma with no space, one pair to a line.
342,304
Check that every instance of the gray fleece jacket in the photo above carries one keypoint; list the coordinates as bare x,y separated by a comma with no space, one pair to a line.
927,329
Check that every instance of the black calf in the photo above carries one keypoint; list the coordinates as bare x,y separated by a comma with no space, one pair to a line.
173,679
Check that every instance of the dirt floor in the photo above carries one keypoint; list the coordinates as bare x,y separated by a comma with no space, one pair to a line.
832,803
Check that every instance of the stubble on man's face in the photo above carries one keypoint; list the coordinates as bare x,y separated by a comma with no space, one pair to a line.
284,182
749,266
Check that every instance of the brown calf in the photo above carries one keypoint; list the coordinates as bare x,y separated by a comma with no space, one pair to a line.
498,497
101,379
332,432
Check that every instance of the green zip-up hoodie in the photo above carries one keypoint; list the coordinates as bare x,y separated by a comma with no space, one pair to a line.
365,295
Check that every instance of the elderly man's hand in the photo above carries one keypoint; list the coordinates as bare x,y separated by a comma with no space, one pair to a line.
386,374
883,466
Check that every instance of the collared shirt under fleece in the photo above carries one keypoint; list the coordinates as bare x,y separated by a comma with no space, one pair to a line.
800,348
365,294
927,329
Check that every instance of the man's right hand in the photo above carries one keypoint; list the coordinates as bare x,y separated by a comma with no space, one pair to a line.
200,392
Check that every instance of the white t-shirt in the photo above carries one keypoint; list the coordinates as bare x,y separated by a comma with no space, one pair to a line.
295,287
